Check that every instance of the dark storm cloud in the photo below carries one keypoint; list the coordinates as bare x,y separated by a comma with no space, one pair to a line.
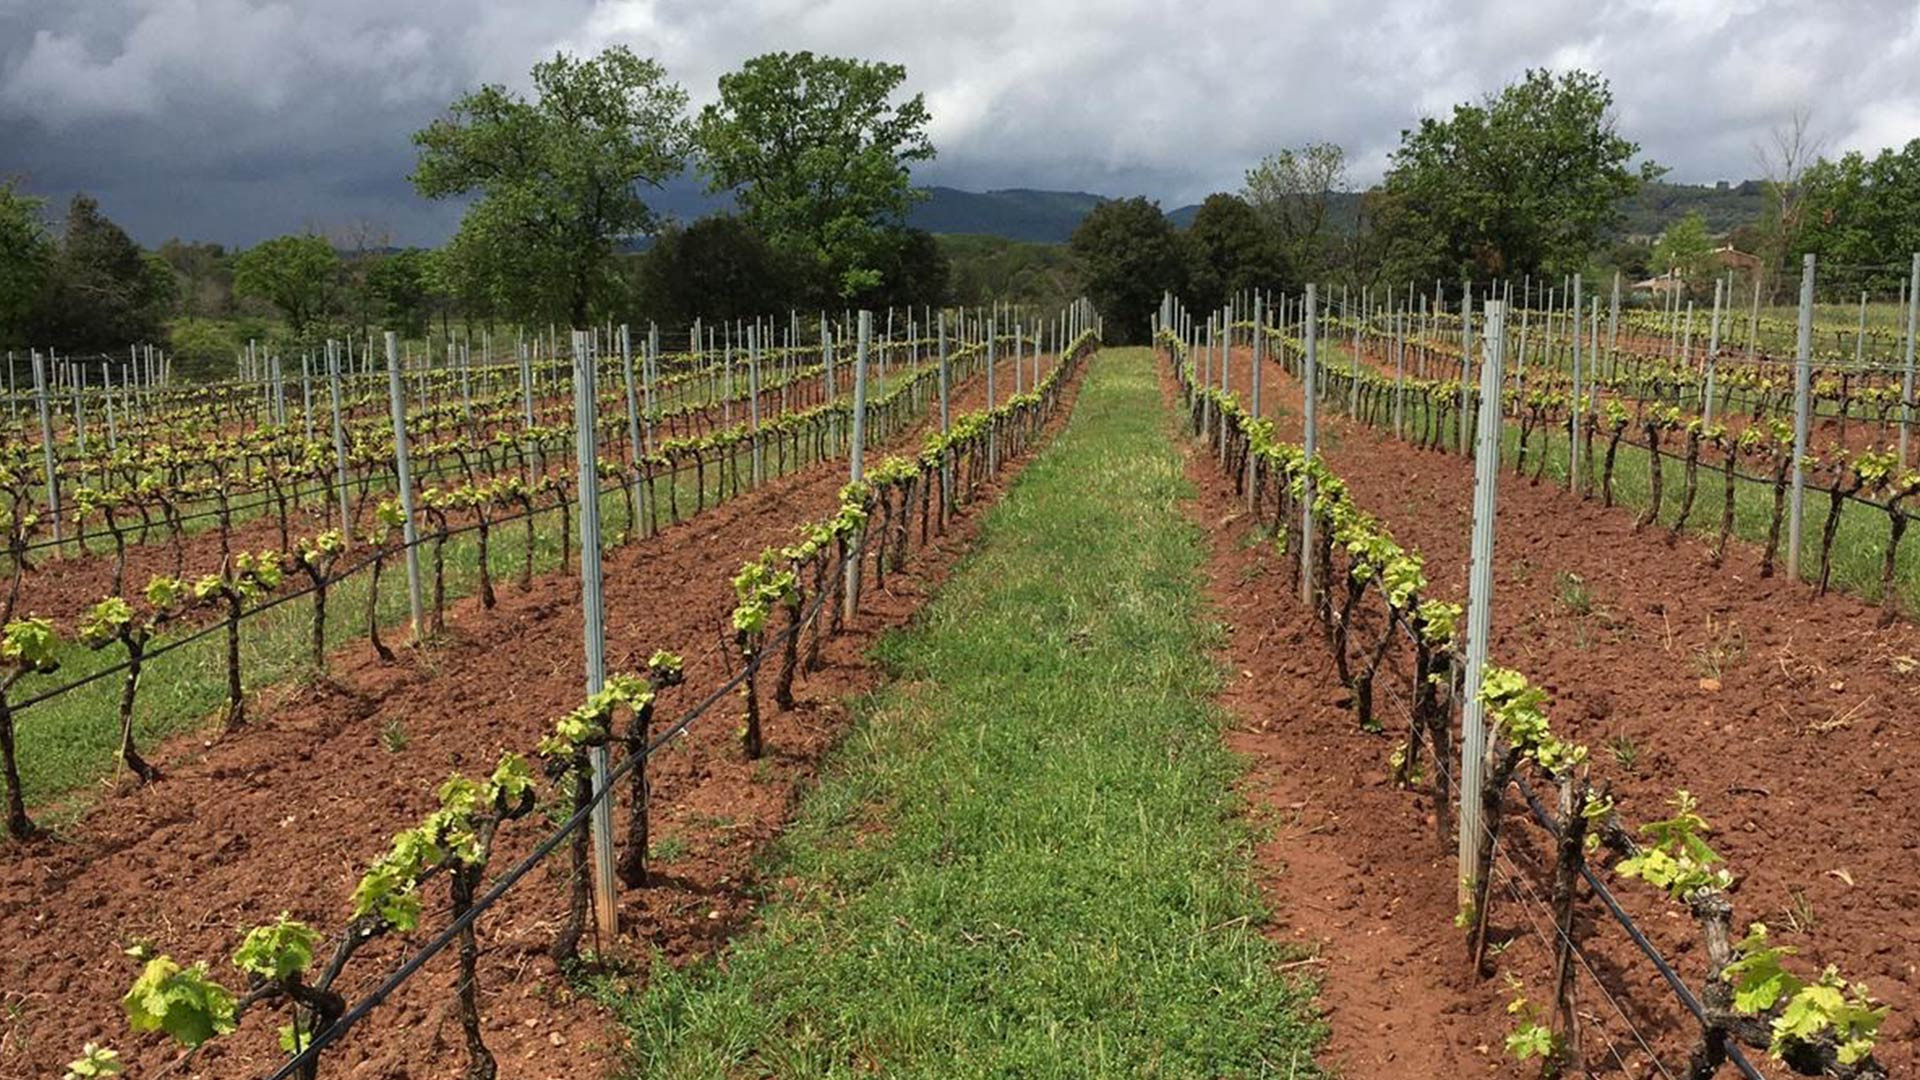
232,120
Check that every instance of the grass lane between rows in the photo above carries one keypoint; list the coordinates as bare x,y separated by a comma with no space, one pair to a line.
1025,860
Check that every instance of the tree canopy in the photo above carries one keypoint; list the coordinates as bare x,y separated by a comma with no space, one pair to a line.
299,275
1864,212
1526,181
1685,249
1290,191
557,176
1131,255
1230,248
101,291
720,267
25,258
400,290
817,155
992,269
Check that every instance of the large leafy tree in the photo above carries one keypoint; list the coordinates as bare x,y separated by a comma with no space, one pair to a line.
818,155
1685,249
205,276
719,267
558,176
101,291
1292,191
1864,212
913,271
300,275
1528,180
399,289
1230,249
1132,254
26,255
468,277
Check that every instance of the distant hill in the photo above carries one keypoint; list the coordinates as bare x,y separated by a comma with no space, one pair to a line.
1724,206
1047,217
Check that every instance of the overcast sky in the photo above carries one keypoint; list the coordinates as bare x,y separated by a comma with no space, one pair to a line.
232,120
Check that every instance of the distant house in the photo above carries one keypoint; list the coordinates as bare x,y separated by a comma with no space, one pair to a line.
1661,285
1724,257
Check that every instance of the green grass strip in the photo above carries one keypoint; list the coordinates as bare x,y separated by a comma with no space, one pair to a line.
1026,859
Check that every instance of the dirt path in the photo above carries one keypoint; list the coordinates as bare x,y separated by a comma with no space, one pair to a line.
285,815
1341,854
1786,714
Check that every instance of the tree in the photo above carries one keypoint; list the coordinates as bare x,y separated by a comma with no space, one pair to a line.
365,245
202,348
205,278
1360,252
1784,159
557,176
990,269
1528,181
399,289
1633,258
913,271
26,256
1685,249
818,158
1230,249
1132,255
299,275
1291,191
101,292
1861,211
467,277
718,268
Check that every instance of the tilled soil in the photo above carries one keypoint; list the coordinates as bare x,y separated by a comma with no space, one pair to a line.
285,814
1783,712
1342,857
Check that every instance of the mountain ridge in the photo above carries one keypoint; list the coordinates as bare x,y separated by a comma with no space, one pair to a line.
1038,215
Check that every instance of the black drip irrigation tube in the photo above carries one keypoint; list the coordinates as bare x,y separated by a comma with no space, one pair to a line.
1679,985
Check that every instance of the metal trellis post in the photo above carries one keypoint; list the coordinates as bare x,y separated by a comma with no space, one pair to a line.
1473,720
409,527
1802,413
593,609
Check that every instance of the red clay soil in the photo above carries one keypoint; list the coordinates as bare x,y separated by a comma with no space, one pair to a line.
62,589
1354,877
1786,714
1341,858
285,815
